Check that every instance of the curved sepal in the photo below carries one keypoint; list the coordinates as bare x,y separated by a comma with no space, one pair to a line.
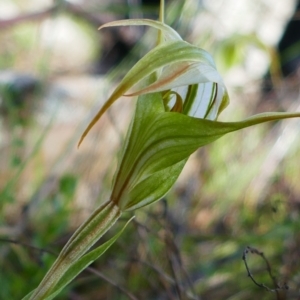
192,64
168,32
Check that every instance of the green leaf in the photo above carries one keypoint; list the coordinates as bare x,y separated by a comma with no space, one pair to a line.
84,262
154,187
27,297
146,109
164,140
172,137
81,241
81,264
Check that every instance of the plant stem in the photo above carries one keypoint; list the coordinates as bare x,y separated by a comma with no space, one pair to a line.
82,240
162,11
161,19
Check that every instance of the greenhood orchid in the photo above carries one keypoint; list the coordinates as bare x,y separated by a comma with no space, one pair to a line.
181,94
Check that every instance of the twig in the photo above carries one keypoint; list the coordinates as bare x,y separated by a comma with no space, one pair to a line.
173,251
66,6
27,17
41,250
117,285
175,255
165,279
154,268
173,262
175,259
261,285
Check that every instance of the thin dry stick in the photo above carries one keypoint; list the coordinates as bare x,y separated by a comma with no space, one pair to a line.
165,279
71,8
261,285
173,265
35,16
117,285
177,256
161,220
156,269
41,250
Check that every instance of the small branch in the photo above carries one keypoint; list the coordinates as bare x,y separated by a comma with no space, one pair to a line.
261,285
173,266
66,6
117,285
174,254
41,250
36,16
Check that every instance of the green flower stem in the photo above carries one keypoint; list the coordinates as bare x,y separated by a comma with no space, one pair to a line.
82,240
162,20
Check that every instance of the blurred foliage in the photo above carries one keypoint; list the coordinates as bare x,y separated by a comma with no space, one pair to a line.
188,246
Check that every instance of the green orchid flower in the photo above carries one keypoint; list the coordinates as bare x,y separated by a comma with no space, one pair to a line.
181,94
180,64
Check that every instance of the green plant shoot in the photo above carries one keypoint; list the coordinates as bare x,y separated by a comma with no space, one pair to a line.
181,95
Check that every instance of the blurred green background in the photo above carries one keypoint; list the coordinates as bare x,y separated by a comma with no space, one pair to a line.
56,70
